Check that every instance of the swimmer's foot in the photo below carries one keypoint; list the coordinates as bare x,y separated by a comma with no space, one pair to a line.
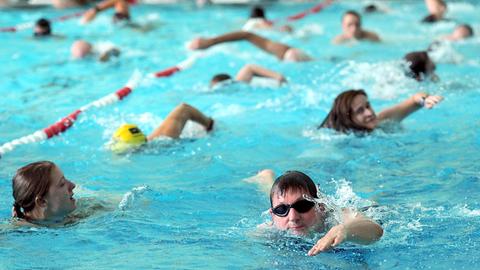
263,179
198,44
210,125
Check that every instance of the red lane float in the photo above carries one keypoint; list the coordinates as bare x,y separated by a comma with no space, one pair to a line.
67,122
303,14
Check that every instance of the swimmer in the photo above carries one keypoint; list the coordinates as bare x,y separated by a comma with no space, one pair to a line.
420,66
121,11
352,29
246,74
293,208
281,51
461,32
42,28
436,9
129,137
42,195
81,49
351,111
259,21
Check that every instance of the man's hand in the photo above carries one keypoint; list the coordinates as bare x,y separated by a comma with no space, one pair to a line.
334,237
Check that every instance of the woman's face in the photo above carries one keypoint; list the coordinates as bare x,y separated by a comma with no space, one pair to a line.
362,113
59,198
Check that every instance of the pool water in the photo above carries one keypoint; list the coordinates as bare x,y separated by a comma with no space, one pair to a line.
183,204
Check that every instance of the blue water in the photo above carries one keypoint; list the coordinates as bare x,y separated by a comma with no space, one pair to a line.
196,212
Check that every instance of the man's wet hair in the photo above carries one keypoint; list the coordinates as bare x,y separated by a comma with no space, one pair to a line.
257,12
293,181
468,27
370,8
352,12
220,78
43,24
419,63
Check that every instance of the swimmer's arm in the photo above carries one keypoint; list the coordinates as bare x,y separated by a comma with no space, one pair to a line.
360,229
407,107
372,36
356,228
339,39
248,71
90,14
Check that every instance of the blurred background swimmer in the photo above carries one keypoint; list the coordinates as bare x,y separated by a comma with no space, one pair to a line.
81,49
436,10
122,12
129,137
259,21
461,32
352,29
297,207
43,29
281,51
246,74
351,111
420,66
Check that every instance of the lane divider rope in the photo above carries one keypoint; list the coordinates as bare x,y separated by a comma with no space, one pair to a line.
67,122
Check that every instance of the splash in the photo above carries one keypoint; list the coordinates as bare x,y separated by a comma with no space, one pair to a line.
130,197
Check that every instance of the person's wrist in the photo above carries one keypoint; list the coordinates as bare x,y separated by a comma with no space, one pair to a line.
97,9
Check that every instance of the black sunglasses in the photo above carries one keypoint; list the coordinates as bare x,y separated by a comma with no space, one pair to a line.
301,206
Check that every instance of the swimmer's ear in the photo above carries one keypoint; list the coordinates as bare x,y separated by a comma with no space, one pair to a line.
40,202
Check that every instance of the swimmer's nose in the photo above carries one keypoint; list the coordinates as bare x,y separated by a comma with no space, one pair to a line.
72,185
293,215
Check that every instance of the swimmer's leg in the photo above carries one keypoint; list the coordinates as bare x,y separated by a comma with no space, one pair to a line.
176,120
275,48
263,179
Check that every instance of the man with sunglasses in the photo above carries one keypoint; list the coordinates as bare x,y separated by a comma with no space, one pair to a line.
294,209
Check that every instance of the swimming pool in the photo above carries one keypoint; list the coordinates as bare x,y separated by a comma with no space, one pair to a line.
196,212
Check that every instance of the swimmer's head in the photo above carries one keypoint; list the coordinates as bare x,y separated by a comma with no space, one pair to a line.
370,8
462,31
351,24
257,12
351,111
419,64
80,49
42,28
220,78
120,17
127,137
292,204
41,192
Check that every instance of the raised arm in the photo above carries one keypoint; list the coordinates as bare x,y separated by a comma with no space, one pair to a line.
90,14
247,73
412,104
355,228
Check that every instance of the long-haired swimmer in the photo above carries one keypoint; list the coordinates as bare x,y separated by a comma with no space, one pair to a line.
246,75
129,137
282,51
295,207
351,111
42,195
